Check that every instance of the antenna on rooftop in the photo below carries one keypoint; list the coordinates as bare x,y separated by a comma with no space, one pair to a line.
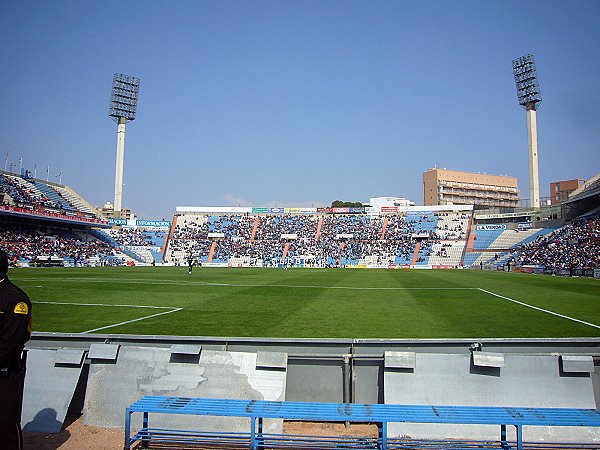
123,106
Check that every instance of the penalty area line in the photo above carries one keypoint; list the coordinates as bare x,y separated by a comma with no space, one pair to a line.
540,309
131,321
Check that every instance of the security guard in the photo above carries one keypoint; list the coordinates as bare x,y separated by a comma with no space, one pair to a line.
15,331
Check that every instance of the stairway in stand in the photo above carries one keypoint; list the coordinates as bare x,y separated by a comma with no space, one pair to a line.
212,251
416,253
285,251
254,229
319,225
385,224
339,260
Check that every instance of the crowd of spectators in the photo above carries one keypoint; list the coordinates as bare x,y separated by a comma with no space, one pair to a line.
36,246
227,225
25,194
130,237
576,245
451,227
340,239
362,228
273,227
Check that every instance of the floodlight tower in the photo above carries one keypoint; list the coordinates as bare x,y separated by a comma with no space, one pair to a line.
123,105
528,92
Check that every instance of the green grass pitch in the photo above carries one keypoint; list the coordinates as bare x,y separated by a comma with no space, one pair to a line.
310,303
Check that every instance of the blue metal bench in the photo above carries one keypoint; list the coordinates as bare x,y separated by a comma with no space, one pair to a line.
380,414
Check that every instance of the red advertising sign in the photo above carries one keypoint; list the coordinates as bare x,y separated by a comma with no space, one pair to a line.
38,212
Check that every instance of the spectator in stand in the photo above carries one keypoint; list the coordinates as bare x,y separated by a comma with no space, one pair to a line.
36,244
576,245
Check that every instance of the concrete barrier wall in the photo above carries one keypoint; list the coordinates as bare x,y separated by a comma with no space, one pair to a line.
540,381
119,369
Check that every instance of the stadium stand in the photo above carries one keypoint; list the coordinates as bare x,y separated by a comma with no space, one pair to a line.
449,253
53,196
574,245
47,245
484,238
25,193
76,201
140,245
325,240
21,195
508,239
420,238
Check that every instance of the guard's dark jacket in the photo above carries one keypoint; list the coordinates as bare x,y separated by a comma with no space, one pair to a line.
15,323
15,331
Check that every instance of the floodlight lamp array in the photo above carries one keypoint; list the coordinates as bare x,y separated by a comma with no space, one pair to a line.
124,97
528,87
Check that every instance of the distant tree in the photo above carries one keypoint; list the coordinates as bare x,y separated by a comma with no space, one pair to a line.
342,204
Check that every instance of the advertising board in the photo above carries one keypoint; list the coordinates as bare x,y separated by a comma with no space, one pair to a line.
43,213
300,210
153,223
497,226
579,272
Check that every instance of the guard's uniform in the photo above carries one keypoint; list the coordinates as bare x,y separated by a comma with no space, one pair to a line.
15,331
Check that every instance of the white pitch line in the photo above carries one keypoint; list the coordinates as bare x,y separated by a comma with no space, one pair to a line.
131,321
540,309
206,283
350,288
103,304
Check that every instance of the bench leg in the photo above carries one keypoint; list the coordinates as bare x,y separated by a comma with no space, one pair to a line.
519,437
127,444
260,434
382,438
253,433
503,441
145,427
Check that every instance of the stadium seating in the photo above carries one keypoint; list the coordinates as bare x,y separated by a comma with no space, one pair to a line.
574,245
77,202
37,195
485,238
36,245
512,238
471,258
448,253
319,240
53,196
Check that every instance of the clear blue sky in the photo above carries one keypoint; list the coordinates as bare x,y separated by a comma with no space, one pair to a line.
281,103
